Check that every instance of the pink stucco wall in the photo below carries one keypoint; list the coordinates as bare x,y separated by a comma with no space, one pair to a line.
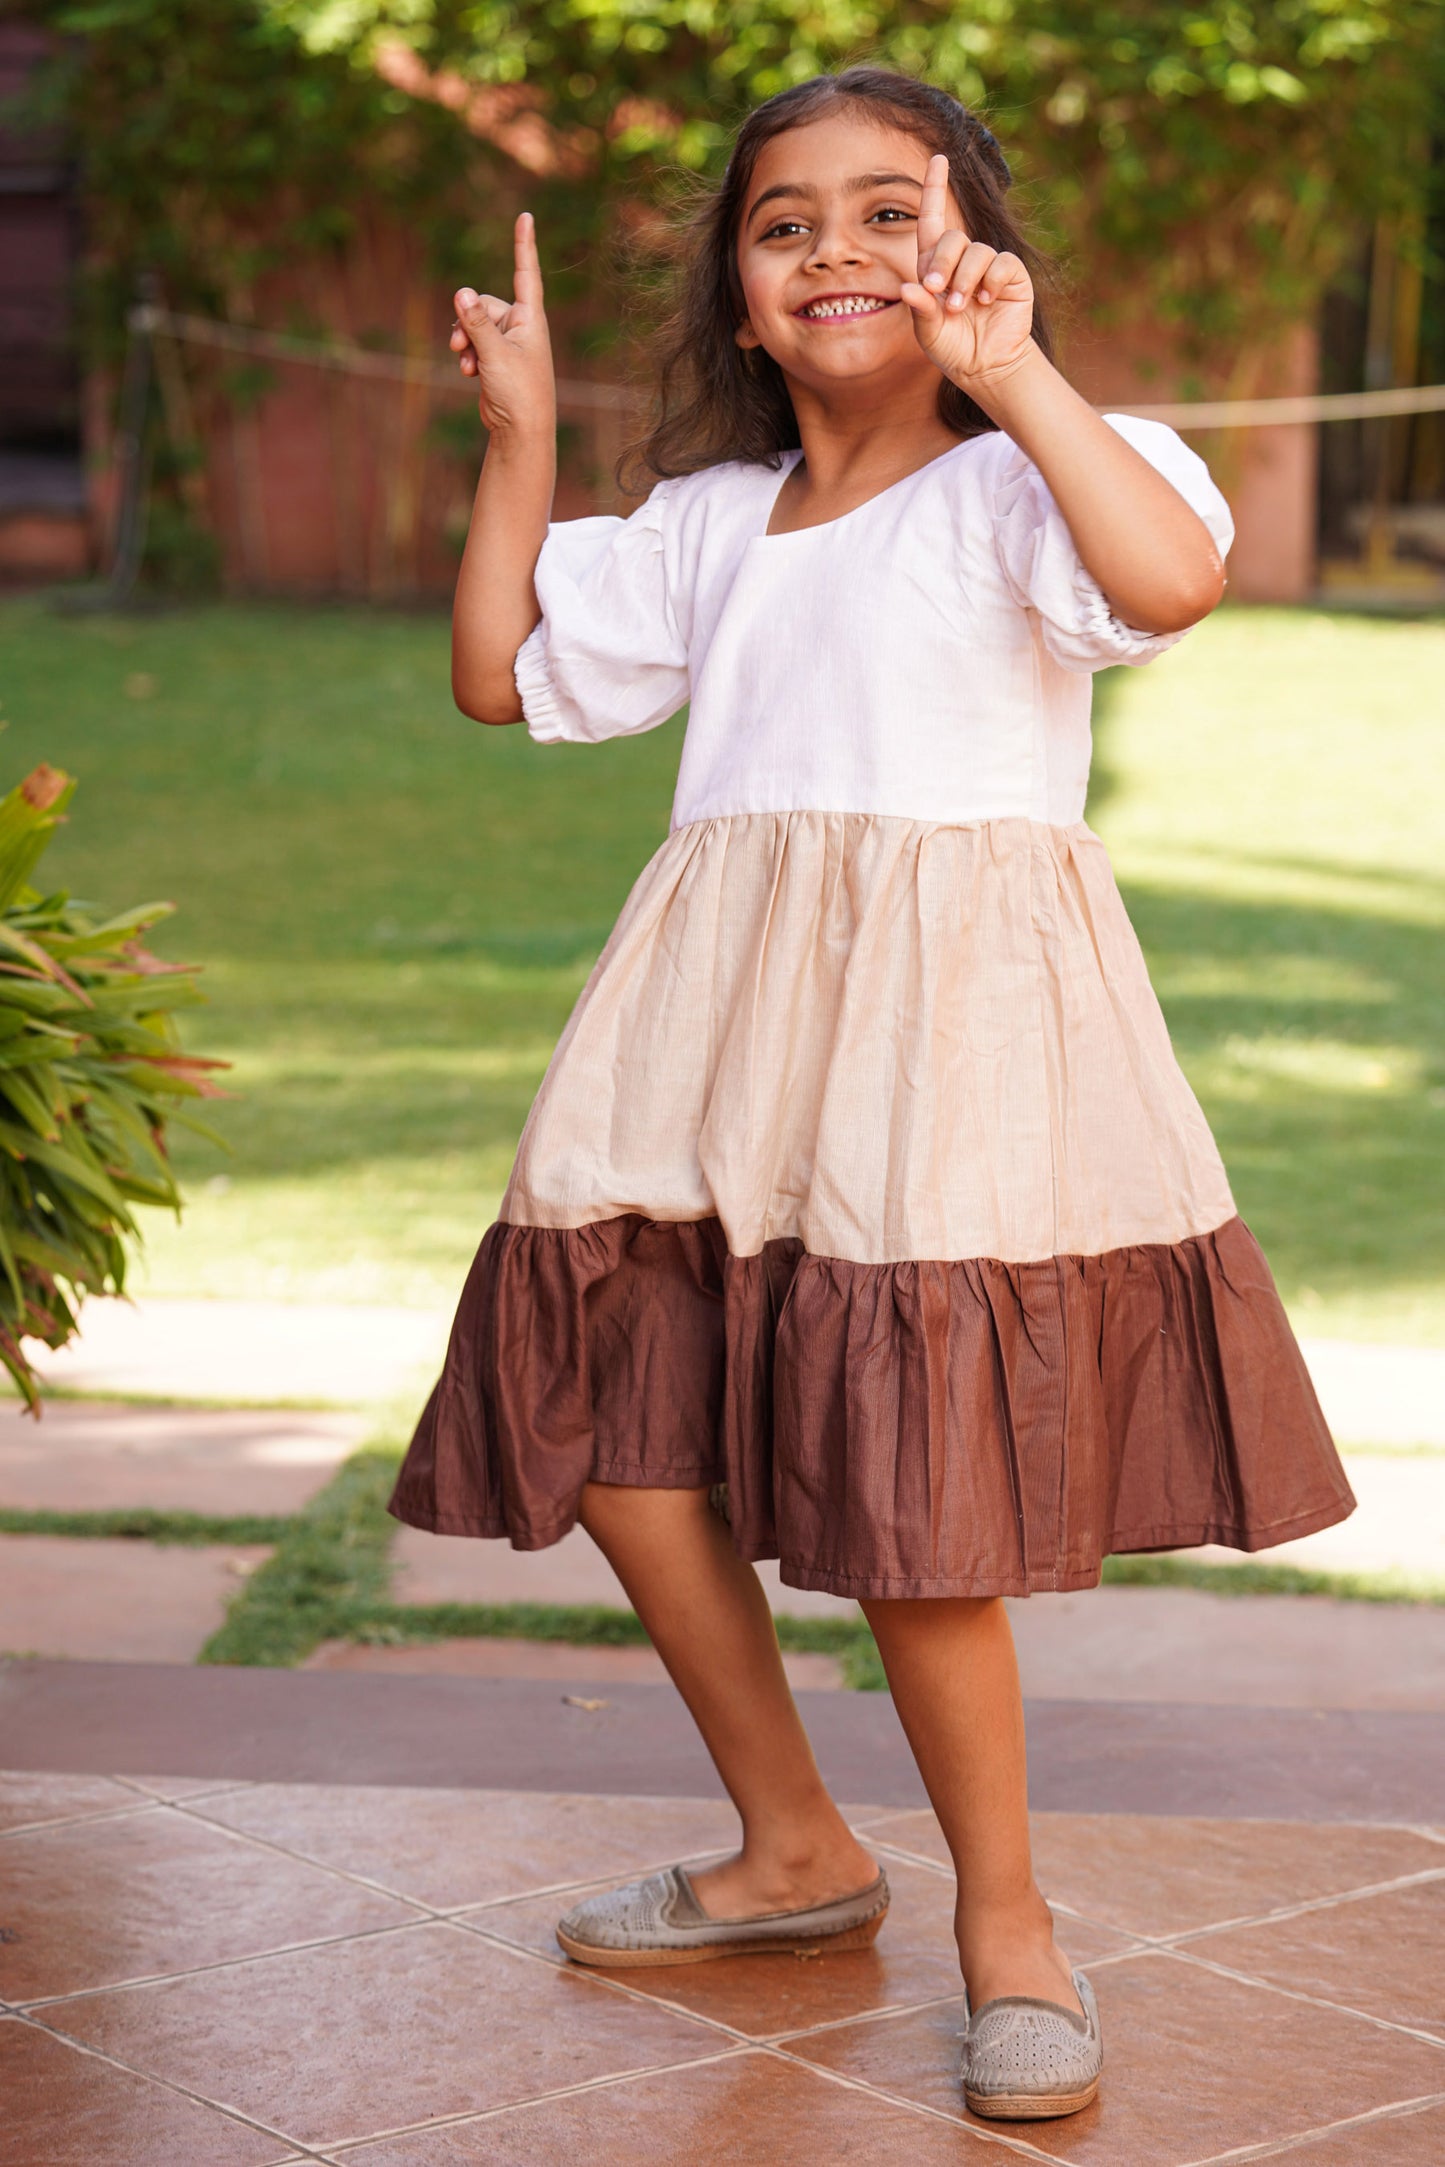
1268,474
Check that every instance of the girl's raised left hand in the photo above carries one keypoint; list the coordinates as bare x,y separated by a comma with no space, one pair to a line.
973,309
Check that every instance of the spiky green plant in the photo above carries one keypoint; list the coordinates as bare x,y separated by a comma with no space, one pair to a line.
91,1075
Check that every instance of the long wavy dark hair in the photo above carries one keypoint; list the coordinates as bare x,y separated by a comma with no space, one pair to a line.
716,402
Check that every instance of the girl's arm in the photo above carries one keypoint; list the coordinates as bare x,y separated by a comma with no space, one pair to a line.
1150,552
506,347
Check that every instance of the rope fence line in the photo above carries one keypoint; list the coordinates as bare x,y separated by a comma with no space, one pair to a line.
152,322
350,360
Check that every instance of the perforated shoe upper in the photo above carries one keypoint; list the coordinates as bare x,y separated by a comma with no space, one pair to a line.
631,1917
1017,2045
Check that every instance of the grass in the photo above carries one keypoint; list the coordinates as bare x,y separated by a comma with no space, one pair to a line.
328,1579
327,1575
1263,795
397,909
141,1524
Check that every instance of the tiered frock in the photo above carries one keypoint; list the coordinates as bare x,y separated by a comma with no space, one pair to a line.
864,1180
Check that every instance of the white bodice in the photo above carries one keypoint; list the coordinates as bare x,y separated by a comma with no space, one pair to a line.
927,655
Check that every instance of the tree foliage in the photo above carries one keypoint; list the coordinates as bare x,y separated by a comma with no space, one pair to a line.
1206,162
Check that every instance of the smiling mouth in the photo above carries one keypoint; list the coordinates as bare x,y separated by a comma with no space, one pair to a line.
842,307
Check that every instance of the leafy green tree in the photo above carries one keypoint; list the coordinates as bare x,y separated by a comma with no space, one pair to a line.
1206,163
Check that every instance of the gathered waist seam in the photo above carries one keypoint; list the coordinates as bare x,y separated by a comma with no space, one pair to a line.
901,820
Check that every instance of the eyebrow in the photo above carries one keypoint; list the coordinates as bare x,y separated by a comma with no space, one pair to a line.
859,185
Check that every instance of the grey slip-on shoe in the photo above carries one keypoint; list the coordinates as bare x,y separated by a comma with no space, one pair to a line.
1025,2060
660,1921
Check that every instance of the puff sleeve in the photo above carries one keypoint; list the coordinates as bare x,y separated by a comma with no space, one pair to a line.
1041,566
607,659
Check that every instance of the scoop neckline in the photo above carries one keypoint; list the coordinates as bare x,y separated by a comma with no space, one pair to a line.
825,526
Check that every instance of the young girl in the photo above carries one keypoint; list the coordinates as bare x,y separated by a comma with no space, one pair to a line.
863,1181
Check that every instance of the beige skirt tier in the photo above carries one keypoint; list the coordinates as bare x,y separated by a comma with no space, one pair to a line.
864,1180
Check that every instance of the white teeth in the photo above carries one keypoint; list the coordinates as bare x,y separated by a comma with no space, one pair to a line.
854,305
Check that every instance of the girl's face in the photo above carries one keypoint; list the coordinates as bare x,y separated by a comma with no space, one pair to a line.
828,235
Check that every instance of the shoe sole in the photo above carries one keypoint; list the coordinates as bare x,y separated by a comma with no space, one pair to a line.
707,1952
1028,2106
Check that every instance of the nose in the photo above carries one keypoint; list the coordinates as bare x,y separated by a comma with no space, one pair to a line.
837,241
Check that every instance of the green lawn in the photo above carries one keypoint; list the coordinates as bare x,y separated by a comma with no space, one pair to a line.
396,910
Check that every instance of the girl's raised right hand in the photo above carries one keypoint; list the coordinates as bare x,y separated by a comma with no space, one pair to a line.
505,345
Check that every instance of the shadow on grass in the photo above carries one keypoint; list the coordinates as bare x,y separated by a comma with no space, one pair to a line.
1338,1175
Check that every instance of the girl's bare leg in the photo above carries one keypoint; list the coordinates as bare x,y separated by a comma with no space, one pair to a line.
708,1618
955,1684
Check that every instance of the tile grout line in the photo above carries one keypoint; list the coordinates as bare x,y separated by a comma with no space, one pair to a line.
1305,1906
220,1789
470,2115
1225,1925
187,1808
1214,1926
736,2052
424,1915
567,1888
463,1917
609,1981
169,2084
883,2012
434,1911
1313,2001
1422,1829
132,1812
1399,2110
887,2013
143,1980
956,2122
296,1858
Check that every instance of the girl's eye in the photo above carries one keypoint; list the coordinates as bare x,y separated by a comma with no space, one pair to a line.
894,213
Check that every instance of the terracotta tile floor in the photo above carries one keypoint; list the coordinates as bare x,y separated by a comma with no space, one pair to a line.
197,1975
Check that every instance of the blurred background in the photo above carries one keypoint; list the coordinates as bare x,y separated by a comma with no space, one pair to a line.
236,465
1245,200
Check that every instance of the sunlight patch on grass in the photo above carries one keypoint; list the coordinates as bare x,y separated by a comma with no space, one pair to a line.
1252,1067
1317,979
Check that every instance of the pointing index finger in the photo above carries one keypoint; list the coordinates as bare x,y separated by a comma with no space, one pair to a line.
527,275
933,209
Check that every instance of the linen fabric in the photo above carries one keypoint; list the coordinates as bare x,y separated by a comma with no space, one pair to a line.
864,1180
927,655
912,1429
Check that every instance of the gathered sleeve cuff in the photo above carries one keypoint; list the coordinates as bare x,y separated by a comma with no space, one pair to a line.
1045,573
607,659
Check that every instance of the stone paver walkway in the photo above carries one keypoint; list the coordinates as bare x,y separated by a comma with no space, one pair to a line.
1398,1525
456,1569
86,1457
1259,1651
115,1601
227,1974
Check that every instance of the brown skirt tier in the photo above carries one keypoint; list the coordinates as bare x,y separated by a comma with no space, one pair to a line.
905,1429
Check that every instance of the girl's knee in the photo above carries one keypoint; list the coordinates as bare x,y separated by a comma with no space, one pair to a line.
615,1504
